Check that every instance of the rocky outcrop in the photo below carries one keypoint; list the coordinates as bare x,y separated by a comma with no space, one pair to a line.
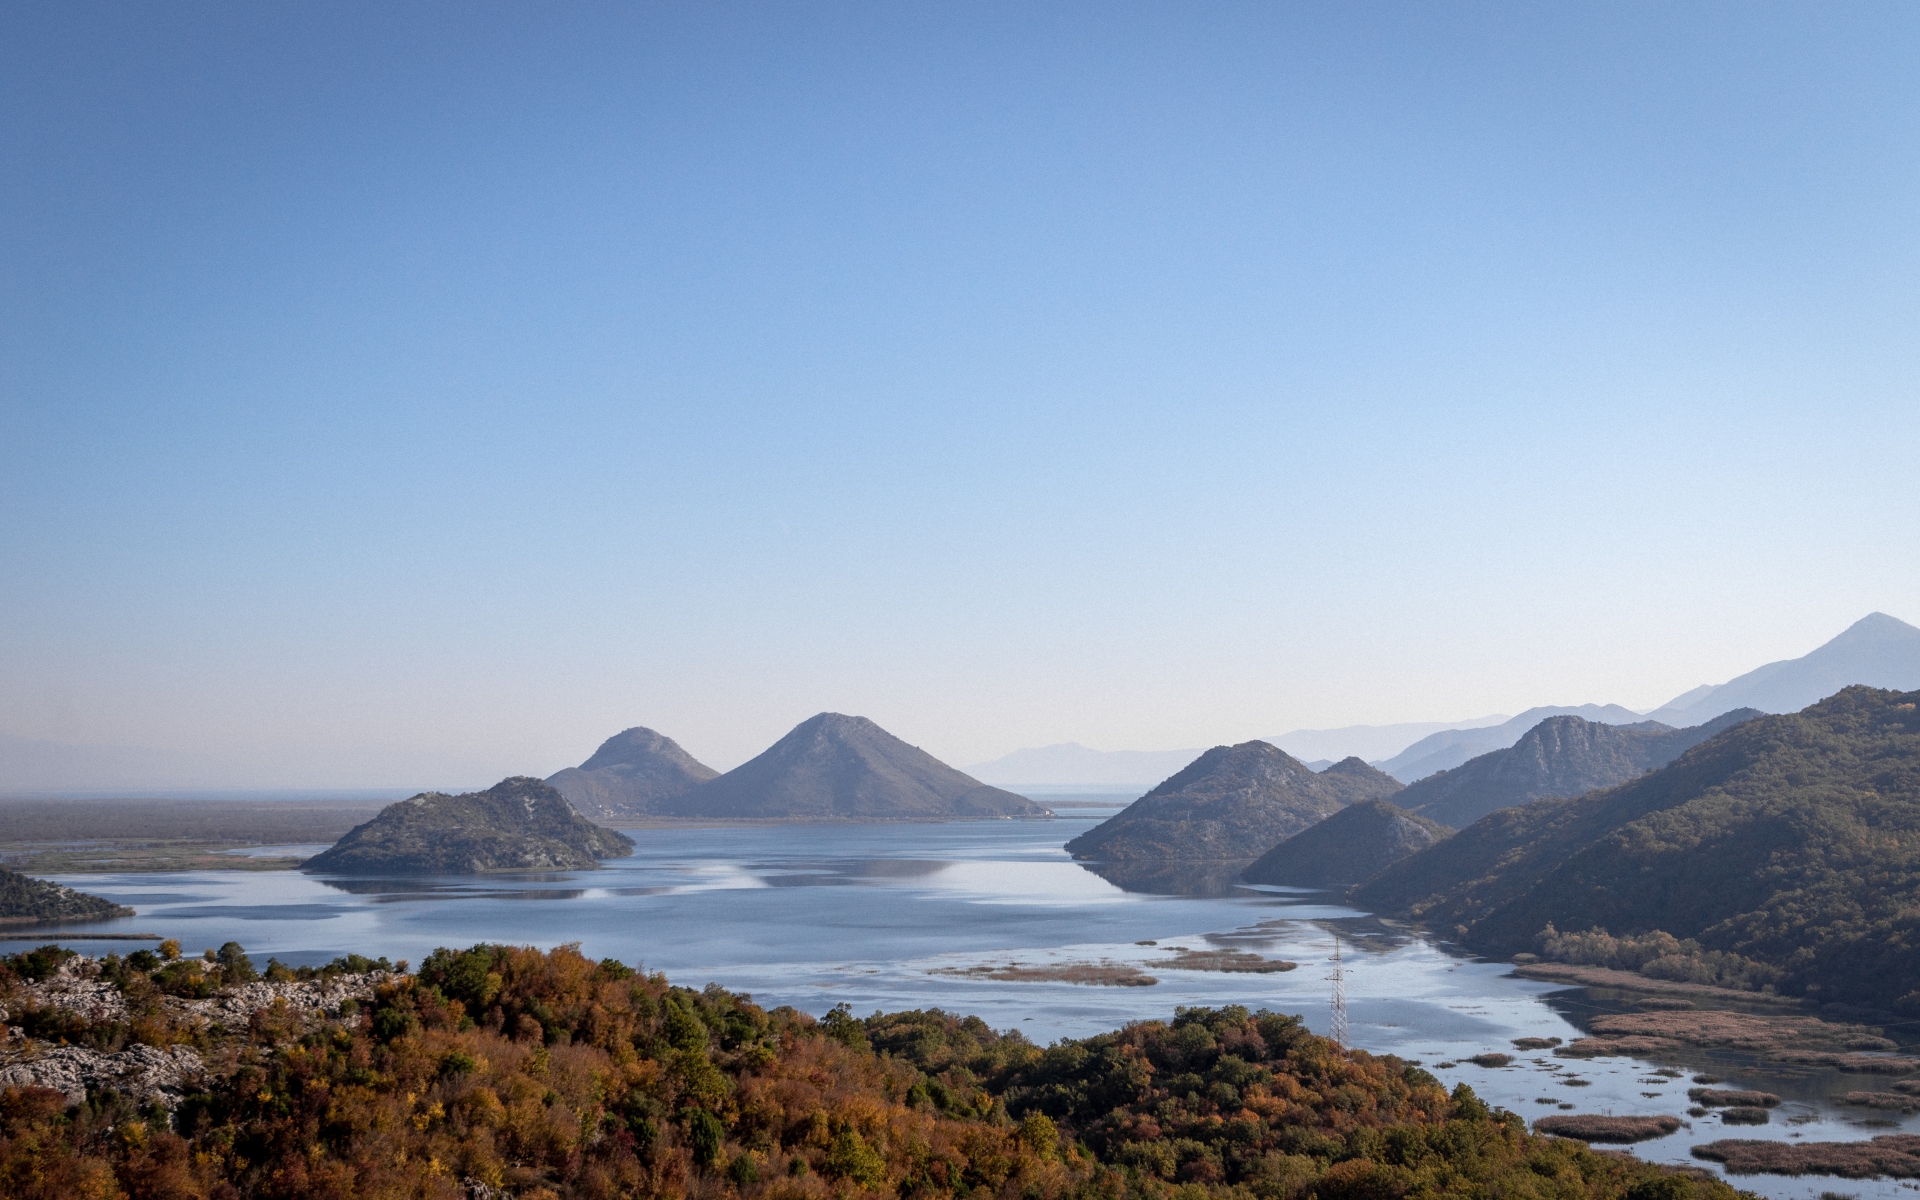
519,824
1349,847
1233,803
633,774
833,766
147,1073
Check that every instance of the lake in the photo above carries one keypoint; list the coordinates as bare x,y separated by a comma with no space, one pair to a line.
877,916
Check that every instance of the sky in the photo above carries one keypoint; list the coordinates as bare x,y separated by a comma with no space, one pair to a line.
415,394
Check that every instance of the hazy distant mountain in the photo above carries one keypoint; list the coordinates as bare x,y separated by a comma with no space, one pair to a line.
1561,756
1231,803
1877,650
632,774
518,824
1451,747
1070,763
1371,742
835,766
1349,847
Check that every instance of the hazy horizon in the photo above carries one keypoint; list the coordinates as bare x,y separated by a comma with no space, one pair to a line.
395,400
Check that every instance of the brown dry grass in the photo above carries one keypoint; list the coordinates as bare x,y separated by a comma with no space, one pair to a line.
1745,1115
1781,1038
1100,974
1897,1155
1727,1098
1235,961
1491,1060
1590,1127
1887,1100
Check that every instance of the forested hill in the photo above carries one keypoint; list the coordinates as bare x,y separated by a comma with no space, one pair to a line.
24,899
1793,840
1233,802
511,1072
1561,756
1352,845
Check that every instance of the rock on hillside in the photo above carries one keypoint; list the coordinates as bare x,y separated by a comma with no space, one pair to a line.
26,900
1232,803
1450,748
1349,847
518,824
1561,756
833,766
632,774
1784,839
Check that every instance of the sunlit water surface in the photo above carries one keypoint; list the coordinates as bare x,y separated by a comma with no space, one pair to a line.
875,916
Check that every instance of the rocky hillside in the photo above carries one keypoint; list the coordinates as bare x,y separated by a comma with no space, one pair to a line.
1786,840
848,768
633,774
26,900
1231,803
1349,847
1561,756
518,824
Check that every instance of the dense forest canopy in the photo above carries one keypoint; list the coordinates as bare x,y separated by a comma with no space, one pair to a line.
496,1071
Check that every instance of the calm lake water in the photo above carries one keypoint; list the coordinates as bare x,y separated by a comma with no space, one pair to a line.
874,916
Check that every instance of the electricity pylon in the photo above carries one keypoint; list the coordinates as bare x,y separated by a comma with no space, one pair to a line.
1339,978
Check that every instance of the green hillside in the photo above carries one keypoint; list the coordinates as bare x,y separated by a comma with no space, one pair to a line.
1791,840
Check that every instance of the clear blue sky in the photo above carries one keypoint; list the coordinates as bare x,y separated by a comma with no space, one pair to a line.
397,391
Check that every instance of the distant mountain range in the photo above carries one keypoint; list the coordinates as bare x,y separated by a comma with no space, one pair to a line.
1561,756
1232,803
1877,650
829,767
1451,747
1070,764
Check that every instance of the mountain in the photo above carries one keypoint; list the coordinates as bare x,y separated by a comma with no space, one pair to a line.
838,767
1451,747
1371,742
1877,650
632,774
26,900
1785,839
1070,763
518,824
1561,756
1231,803
1351,846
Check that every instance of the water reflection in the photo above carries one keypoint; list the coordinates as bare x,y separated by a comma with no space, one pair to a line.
1171,879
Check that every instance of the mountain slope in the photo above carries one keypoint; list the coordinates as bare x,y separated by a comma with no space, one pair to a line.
1451,747
1561,756
1877,650
1352,845
631,774
1233,802
518,824
835,766
1786,839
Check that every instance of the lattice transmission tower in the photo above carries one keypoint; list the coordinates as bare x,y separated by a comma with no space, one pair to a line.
1339,978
